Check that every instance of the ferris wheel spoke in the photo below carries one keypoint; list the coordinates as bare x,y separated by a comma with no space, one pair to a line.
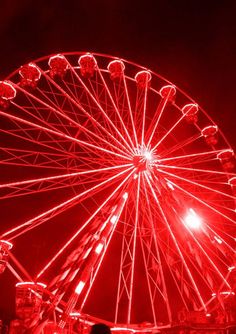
47,215
98,105
85,130
127,259
207,171
130,110
178,249
57,100
61,135
176,279
103,130
89,111
62,113
203,202
120,280
134,242
27,136
47,160
180,145
203,272
214,251
158,267
194,156
16,191
117,213
60,116
65,106
168,132
180,285
139,111
90,257
153,287
34,112
27,158
115,108
207,256
33,186
198,184
219,239
175,271
144,112
32,133
40,106
75,235
157,117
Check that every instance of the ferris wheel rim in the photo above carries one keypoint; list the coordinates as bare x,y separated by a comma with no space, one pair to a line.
137,162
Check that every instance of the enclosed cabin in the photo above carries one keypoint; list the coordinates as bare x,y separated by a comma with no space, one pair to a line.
29,298
143,79
227,159
57,66
190,112
210,133
88,65
30,75
116,69
7,93
168,93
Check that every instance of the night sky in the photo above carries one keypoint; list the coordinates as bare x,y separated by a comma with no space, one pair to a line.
191,43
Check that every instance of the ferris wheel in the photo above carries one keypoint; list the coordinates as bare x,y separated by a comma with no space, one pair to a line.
118,193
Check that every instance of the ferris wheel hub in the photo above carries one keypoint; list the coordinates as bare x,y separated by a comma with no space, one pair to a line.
143,159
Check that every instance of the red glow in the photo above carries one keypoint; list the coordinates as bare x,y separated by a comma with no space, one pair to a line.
7,91
5,244
168,92
143,78
34,284
192,219
121,162
88,65
116,69
79,287
99,248
30,72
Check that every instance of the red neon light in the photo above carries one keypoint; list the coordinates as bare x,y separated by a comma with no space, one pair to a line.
6,244
99,248
79,287
192,219
114,138
42,285
7,91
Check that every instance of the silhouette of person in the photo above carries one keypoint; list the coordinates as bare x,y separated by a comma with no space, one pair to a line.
100,329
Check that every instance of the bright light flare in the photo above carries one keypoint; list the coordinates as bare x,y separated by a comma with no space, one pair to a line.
170,185
192,220
218,239
79,287
148,155
231,268
99,248
113,219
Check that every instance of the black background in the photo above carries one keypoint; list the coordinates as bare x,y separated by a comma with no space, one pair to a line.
191,43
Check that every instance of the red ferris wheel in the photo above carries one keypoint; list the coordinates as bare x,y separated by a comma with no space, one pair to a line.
118,194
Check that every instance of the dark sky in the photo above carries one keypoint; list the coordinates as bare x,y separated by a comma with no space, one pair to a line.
191,43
